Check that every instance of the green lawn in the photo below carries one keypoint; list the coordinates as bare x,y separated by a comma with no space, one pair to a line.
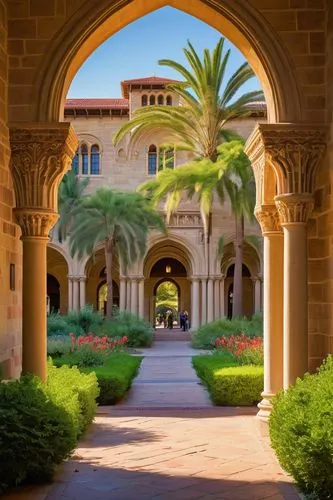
228,383
114,377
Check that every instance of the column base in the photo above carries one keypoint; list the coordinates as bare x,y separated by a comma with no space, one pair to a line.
265,406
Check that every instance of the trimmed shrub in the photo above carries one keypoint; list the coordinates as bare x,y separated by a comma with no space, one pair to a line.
84,321
205,336
35,433
301,431
228,384
84,356
123,323
57,325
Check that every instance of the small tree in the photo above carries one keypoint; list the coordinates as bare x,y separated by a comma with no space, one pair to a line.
121,222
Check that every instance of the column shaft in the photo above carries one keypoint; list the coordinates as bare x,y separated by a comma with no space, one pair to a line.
216,299
122,294
194,319
34,306
203,301
128,294
82,292
70,293
75,294
222,299
134,296
141,298
210,300
295,359
257,295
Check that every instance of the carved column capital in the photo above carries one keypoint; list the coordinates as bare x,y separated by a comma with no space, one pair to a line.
268,218
294,208
294,151
41,153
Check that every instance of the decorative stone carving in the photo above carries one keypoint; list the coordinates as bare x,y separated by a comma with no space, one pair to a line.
294,208
41,153
185,219
268,218
293,150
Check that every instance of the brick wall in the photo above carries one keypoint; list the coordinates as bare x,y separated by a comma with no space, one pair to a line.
10,245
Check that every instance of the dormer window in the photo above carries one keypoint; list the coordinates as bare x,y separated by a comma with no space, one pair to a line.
160,100
144,100
169,100
152,100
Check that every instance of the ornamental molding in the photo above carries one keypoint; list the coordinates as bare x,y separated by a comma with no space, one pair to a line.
185,219
41,153
35,223
268,218
294,150
294,208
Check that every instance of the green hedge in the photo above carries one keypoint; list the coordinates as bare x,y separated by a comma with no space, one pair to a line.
114,377
230,385
301,431
40,423
205,336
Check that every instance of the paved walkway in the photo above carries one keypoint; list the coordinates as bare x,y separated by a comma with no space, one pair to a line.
167,442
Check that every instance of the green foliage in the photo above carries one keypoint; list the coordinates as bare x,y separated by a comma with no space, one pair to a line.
137,330
58,345
84,320
40,423
57,324
204,337
83,357
301,431
114,377
74,391
227,384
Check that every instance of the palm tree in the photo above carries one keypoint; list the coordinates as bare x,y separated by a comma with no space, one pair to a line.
199,124
70,196
121,221
231,177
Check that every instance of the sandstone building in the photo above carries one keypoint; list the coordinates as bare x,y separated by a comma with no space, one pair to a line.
289,44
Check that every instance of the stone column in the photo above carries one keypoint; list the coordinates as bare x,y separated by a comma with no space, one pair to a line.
82,291
222,298
195,304
294,211
210,300
268,218
257,294
40,155
76,298
203,301
216,299
70,293
134,296
122,294
128,294
141,297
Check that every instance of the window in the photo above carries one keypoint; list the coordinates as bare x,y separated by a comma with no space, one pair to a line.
144,100
165,156
85,159
160,100
75,163
94,160
152,160
152,100
169,100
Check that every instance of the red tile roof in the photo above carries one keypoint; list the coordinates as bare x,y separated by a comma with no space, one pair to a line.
149,80
97,103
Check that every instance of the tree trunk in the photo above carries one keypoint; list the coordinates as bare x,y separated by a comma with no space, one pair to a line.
108,265
237,303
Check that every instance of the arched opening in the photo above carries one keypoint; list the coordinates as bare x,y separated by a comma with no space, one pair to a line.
169,100
160,100
144,100
57,281
102,296
248,306
53,294
167,299
95,160
151,100
152,160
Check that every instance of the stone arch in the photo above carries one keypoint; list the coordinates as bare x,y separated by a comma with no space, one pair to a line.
172,246
238,21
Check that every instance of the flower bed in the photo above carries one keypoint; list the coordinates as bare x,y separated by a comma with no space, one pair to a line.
245,350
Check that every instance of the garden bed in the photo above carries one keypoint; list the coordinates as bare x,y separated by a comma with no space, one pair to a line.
228,383
114,376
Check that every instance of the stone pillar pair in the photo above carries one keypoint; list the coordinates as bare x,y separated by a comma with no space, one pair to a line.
132,295
76,292
41,153
285,159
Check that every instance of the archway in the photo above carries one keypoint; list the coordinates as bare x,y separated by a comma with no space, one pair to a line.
167,295
248,295
57,281
102,296
240,23
96,278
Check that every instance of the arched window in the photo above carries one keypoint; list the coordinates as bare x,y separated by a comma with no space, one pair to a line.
152,160
166,158
85,159
94,160
152,100
75,162
144,100
169,100
160,100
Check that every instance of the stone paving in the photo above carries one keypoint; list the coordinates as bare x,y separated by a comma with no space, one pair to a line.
172,444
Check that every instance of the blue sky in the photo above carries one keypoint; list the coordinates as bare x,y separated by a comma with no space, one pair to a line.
134,52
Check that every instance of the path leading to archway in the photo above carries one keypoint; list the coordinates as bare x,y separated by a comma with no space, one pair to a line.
166,441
